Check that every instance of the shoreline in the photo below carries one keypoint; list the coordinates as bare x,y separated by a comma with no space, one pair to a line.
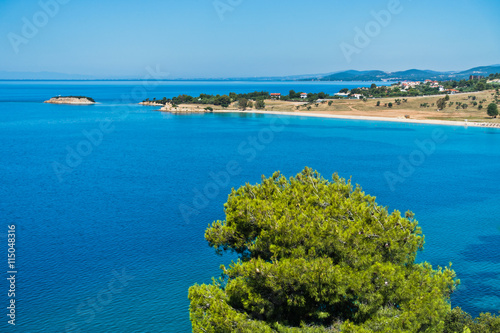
463,109
370,118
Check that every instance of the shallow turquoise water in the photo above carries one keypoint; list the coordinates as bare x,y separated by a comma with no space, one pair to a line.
117,209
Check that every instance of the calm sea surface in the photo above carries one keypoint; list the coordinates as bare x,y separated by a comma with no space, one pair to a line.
110,219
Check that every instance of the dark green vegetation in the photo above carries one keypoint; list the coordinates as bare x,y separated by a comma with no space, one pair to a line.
244,103
82,97
459,321
260,104
222,100
441,103
321,256
311,97
226,100
492,110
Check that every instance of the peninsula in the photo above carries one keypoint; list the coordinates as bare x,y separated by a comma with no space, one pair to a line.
74,100
473,102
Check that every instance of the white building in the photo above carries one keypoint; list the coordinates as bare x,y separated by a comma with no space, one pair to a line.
343,95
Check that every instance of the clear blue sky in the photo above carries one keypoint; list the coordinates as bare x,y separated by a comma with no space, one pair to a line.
187,38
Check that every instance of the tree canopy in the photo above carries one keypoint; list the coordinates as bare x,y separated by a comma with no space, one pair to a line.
319,256
492,110
243,103
260,104
441,103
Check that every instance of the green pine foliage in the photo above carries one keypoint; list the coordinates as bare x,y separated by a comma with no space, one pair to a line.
319,256
458,321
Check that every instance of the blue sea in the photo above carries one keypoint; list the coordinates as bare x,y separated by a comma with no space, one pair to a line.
111,201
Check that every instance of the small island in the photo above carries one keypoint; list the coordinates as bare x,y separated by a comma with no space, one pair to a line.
74,100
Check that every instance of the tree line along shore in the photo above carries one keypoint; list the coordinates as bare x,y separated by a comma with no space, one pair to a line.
474,100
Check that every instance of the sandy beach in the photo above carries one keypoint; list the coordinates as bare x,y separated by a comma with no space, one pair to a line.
369,118
464,109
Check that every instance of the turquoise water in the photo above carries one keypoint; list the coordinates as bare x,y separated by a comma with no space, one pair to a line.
115,209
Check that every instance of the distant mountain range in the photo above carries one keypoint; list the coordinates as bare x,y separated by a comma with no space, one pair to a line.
350,75
411,75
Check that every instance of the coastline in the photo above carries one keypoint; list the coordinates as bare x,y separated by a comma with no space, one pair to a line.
461,109
369,118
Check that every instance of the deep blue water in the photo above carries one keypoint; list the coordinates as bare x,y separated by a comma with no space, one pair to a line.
137,91
116,207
